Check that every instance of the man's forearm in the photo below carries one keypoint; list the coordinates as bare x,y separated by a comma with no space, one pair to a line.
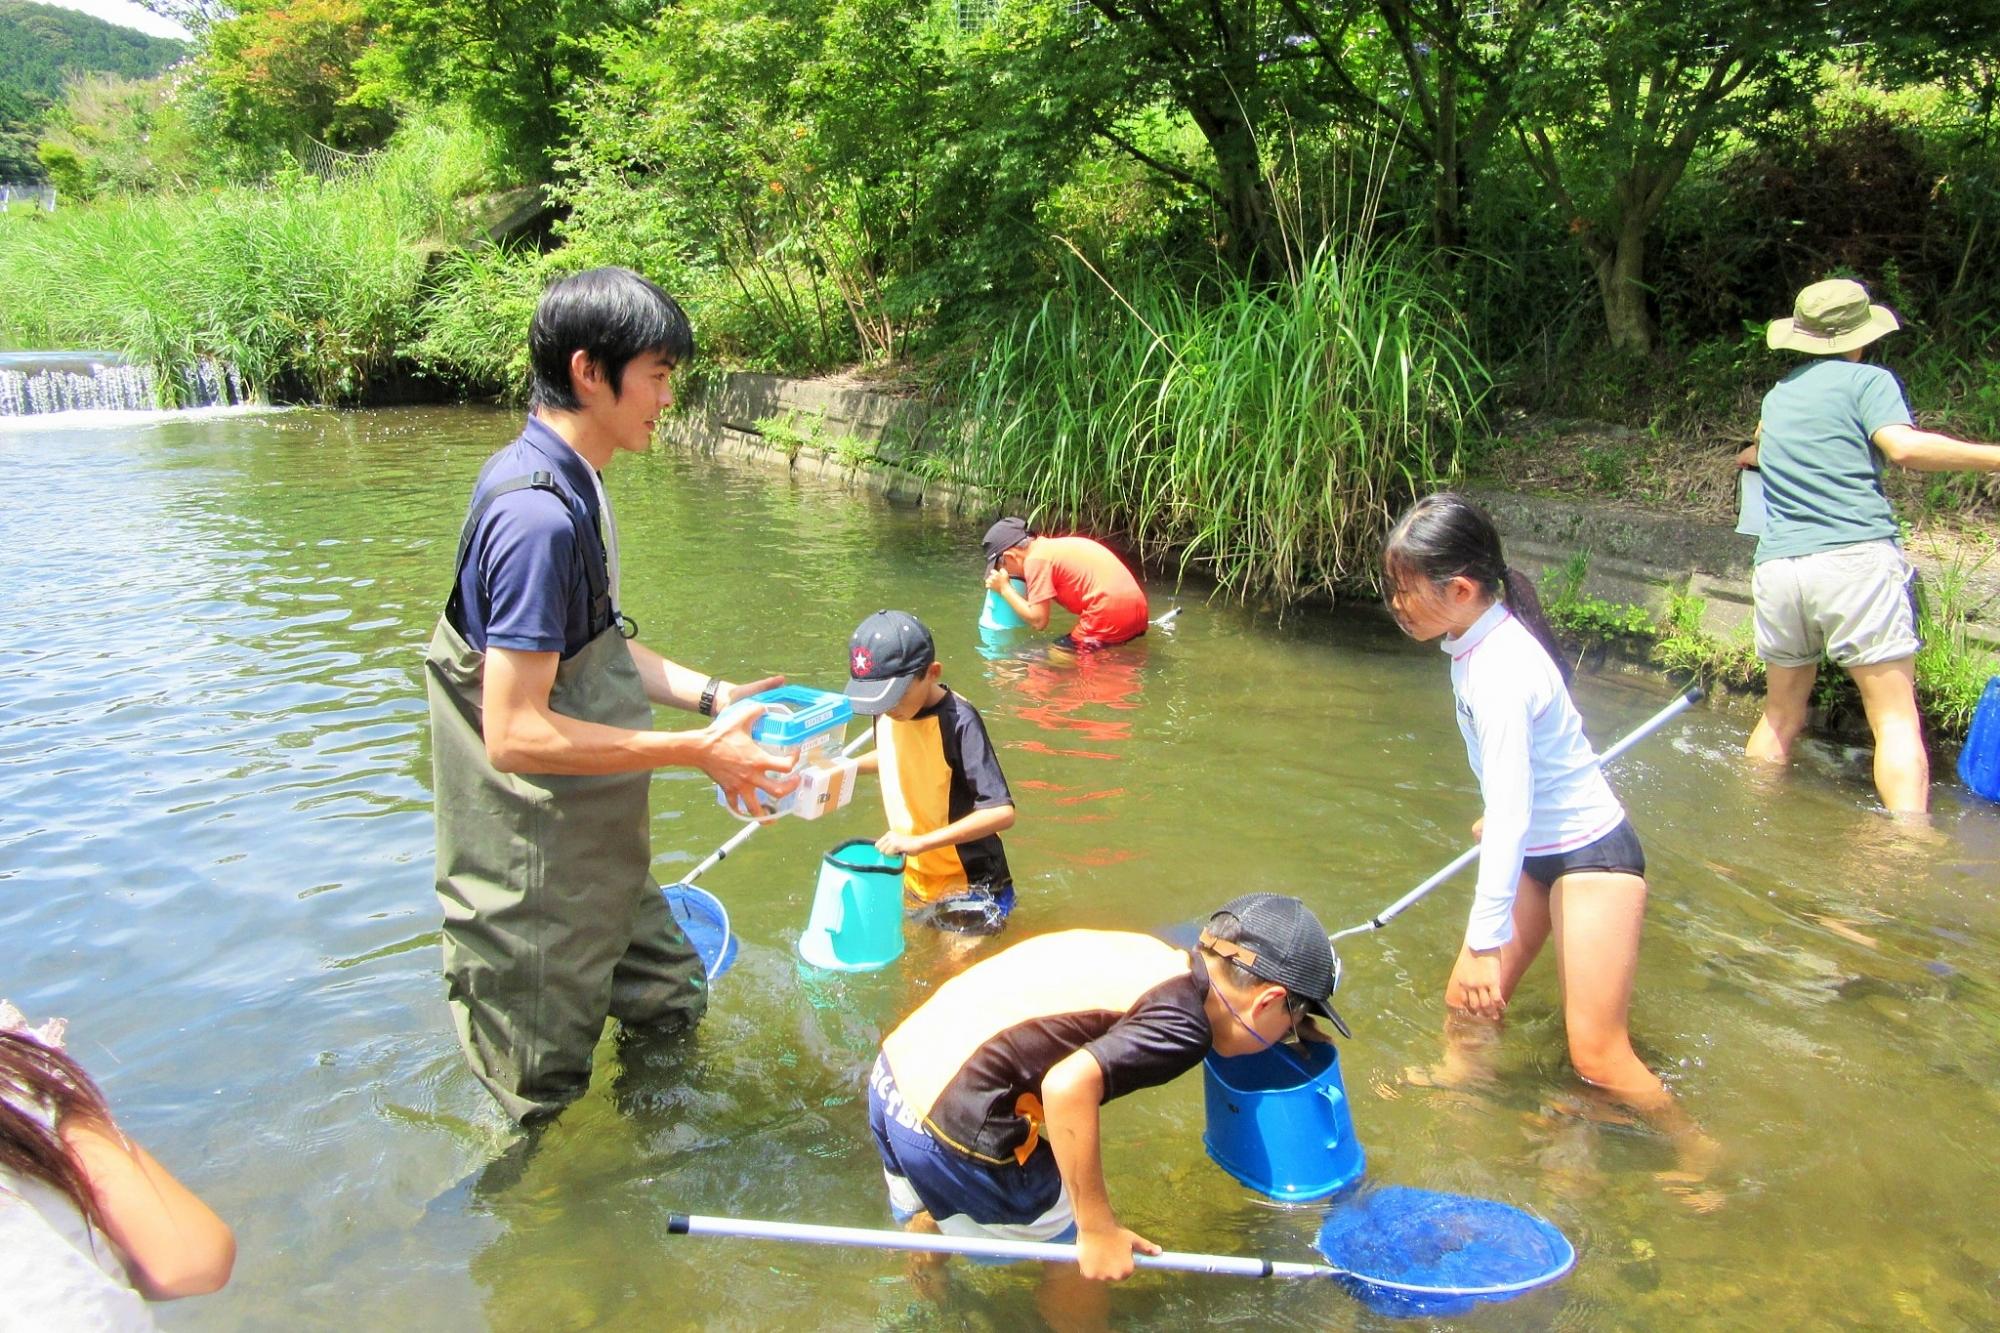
545,741
668,682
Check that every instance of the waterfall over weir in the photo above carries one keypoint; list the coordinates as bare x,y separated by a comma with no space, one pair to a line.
34,383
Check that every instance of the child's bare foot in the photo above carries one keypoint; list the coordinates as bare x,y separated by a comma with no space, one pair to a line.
928,1276
1449,1075
1693,1190
1595,1109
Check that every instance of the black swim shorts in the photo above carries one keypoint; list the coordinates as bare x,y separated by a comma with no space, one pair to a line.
1616,853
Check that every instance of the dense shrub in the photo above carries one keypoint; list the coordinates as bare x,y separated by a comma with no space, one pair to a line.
1265,433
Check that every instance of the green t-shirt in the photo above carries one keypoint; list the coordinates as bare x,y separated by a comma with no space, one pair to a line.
1822,475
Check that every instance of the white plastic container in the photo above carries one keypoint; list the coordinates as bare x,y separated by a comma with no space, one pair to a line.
810,725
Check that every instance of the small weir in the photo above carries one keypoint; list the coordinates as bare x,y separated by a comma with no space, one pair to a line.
37,383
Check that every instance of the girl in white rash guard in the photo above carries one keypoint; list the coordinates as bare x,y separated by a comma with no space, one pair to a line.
1557,856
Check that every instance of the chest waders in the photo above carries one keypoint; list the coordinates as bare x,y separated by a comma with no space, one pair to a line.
552,918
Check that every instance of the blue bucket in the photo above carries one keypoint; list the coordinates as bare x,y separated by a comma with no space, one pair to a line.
1979,761
1279,1122
996,614
857,912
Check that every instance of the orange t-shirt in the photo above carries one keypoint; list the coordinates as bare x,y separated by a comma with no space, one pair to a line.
1087,580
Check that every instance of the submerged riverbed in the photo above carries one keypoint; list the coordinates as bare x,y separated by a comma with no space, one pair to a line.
215,858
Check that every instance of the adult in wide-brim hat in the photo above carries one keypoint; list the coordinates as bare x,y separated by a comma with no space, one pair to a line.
1830,579
1831,318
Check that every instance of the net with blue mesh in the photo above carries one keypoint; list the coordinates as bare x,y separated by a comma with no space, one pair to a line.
702,915
1405,1251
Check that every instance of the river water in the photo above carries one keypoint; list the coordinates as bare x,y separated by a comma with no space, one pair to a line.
215,858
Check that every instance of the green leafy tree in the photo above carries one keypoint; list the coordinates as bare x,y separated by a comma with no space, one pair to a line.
1439,76
512,64
282,72
832,174
20,129
1622,95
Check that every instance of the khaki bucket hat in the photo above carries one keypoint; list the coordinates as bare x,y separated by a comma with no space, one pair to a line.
1832,317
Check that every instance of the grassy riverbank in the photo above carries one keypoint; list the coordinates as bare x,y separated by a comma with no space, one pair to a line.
1952,667
312,288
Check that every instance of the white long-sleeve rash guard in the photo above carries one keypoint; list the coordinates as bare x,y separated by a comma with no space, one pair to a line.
1538,774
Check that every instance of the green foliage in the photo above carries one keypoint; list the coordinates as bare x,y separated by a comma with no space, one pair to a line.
1267,433
1576,614
796,432
824,178
1951,671
20,128
476,313
310,288
1689,651
123,136
512,65
282,74
42,48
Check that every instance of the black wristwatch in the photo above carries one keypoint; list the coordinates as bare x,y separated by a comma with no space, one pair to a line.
707,705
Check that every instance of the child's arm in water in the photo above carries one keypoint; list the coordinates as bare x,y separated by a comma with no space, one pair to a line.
976,825
172,1243
1072,1094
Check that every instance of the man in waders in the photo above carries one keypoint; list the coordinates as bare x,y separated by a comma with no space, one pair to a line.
542,736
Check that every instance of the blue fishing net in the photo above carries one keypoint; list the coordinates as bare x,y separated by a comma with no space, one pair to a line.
706,924
1418,1252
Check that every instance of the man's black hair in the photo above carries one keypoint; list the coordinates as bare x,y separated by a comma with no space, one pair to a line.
610,314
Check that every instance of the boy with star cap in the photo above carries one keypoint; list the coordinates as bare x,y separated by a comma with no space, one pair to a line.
942,787
985,1104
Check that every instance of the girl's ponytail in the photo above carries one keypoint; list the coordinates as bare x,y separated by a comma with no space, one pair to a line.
1518,591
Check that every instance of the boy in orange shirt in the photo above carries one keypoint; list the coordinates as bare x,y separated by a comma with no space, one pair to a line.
1077,573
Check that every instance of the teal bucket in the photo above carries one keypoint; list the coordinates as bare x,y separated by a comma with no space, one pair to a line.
997,614
1279,1122
857,912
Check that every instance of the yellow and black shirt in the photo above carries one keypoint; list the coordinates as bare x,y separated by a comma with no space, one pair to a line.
970,1061
937,768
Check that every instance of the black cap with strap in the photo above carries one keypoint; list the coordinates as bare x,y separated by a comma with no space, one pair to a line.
1278,939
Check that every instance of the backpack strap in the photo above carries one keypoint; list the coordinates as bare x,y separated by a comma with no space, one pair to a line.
596,571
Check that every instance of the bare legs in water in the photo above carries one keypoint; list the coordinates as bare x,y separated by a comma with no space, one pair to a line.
1595,920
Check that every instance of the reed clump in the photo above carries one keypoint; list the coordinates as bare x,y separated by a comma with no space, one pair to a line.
305,285
1265,433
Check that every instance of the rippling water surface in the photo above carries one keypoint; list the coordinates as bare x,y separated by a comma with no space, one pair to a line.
215,858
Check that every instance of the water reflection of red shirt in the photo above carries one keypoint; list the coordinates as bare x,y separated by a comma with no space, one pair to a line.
1087,580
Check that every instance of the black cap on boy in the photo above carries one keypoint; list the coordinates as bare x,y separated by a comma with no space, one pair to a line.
884,658
1279,939
1003,537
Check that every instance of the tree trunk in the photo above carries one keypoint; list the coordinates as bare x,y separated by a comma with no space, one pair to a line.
1448,203
1621,281
1244,193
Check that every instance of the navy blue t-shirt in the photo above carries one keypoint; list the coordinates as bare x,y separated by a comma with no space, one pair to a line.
523,585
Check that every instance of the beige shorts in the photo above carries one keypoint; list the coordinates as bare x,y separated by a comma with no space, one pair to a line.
1855,604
